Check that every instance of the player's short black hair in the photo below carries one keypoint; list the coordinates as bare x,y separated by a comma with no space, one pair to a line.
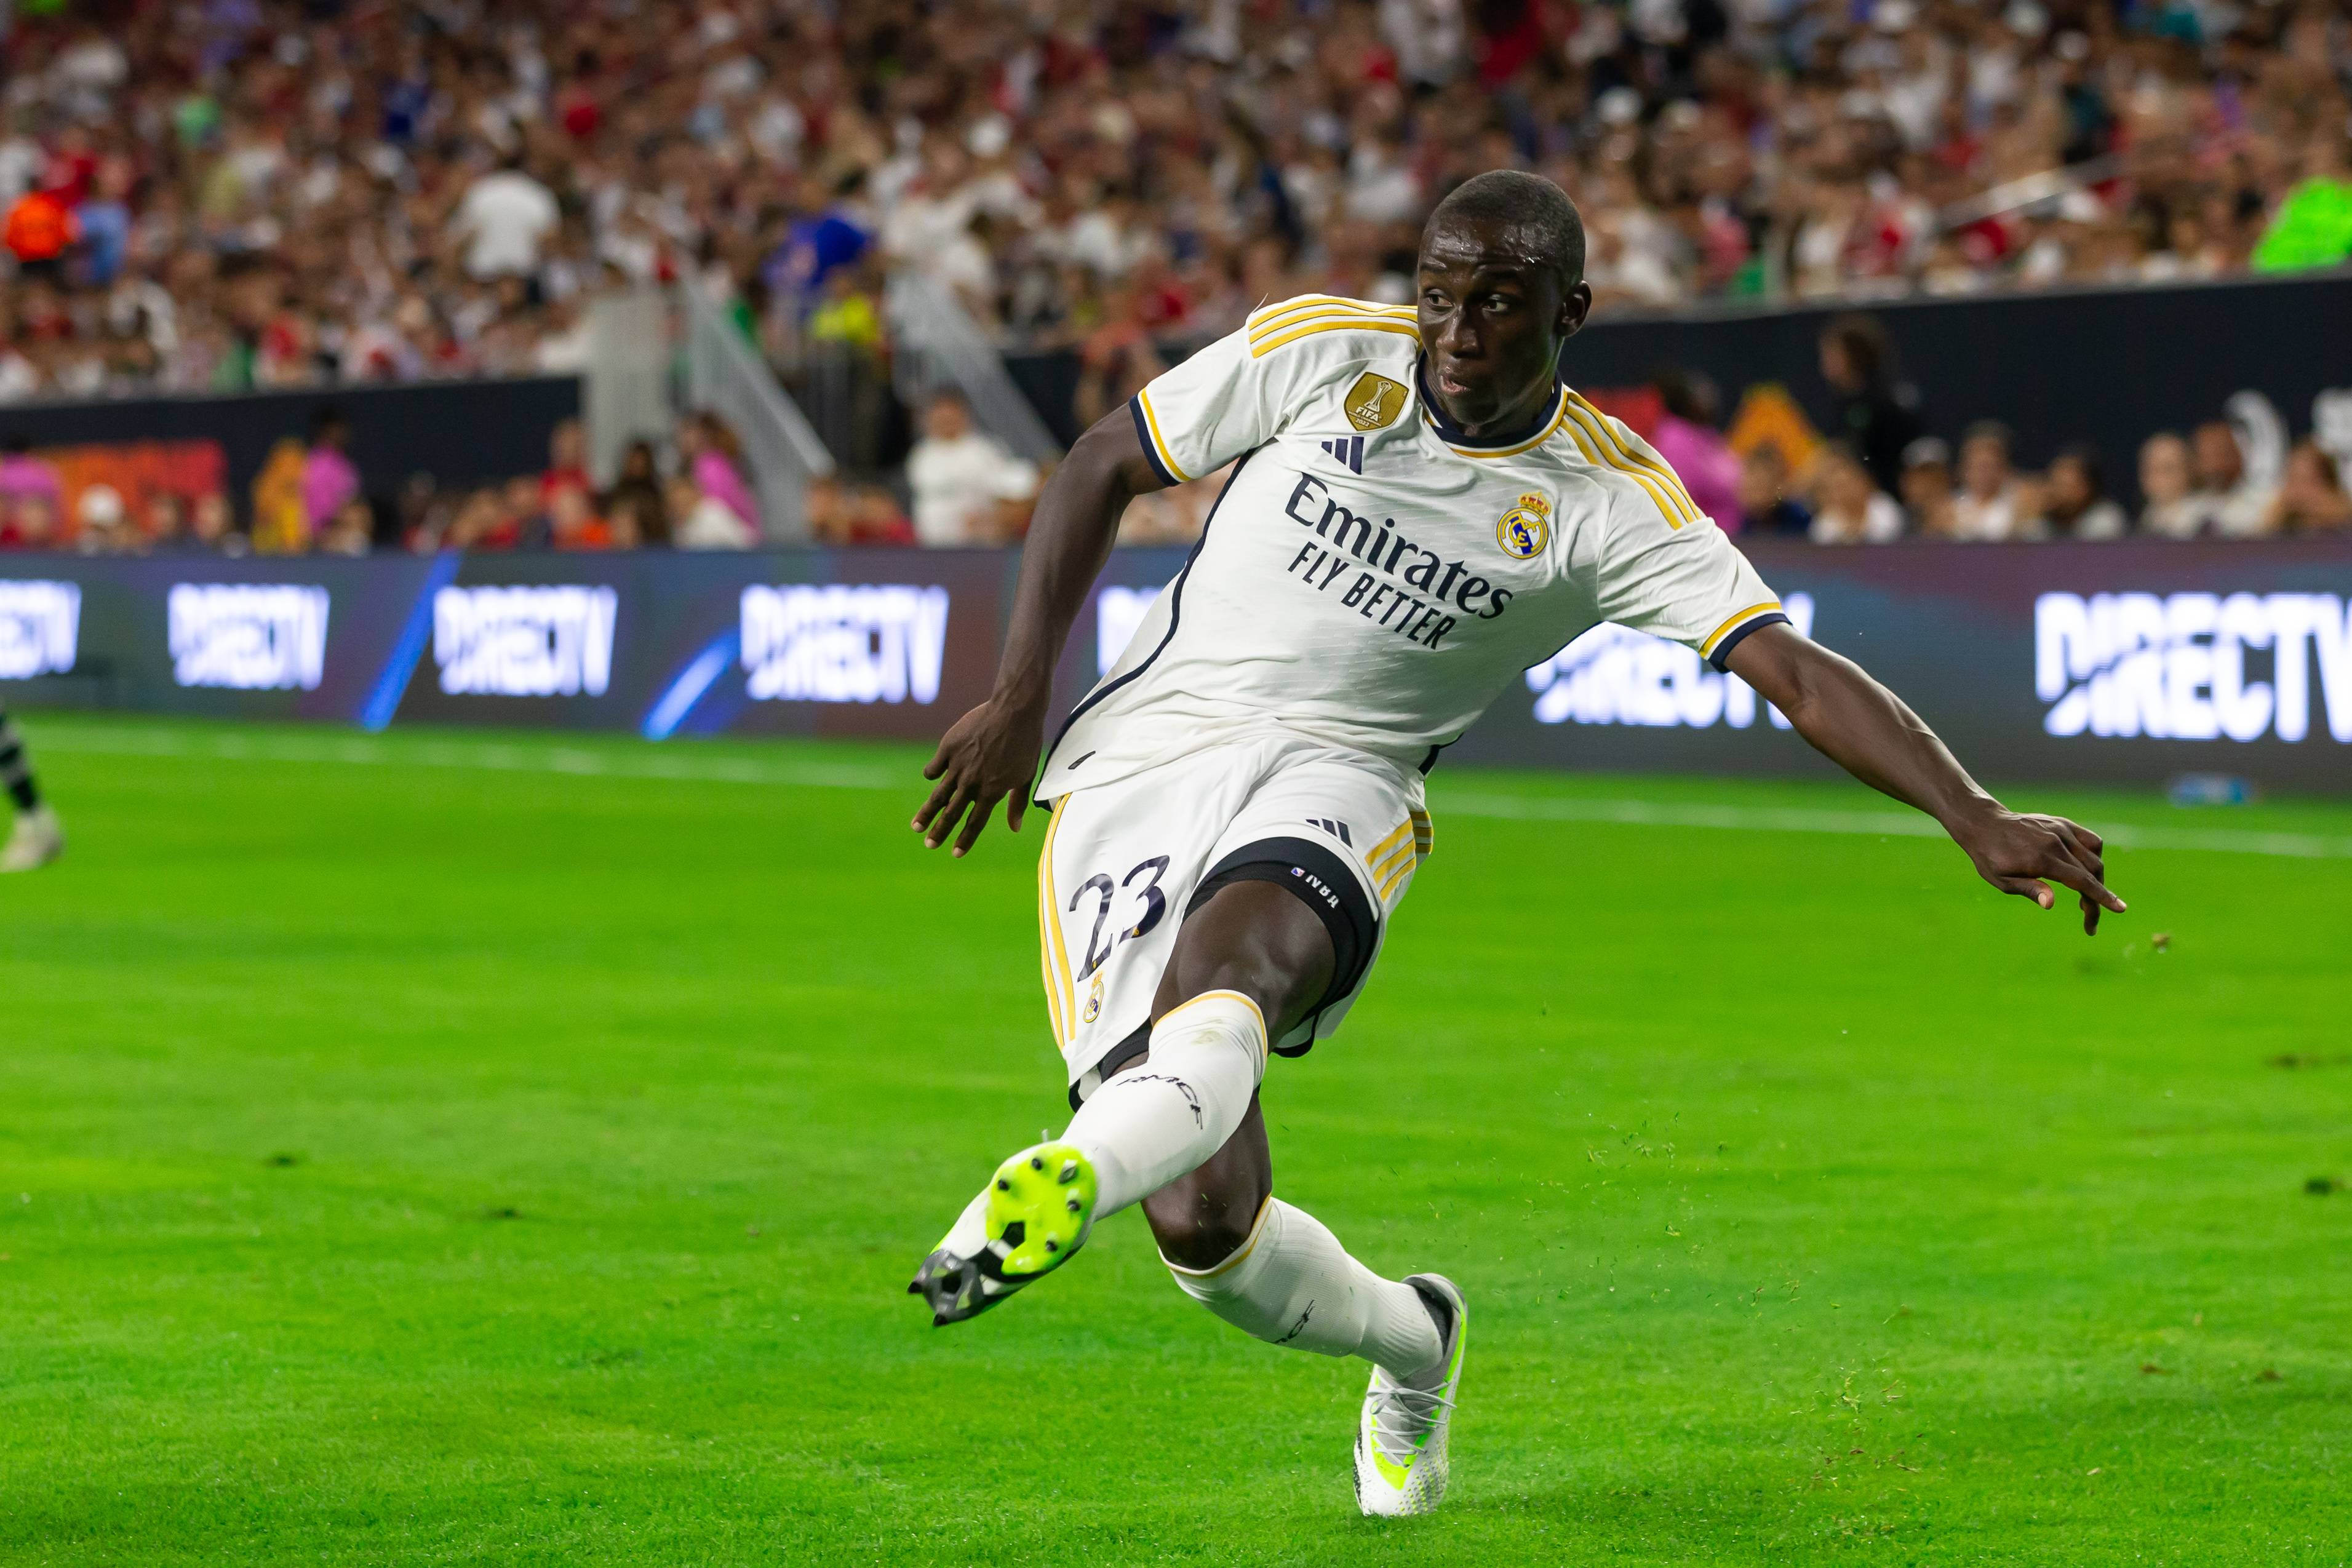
1530,203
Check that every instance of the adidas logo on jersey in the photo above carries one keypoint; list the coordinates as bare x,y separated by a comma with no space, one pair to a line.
1348,449
1337,830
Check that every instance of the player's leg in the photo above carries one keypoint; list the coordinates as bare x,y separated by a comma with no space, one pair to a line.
1171,1109
35,838
1269,1268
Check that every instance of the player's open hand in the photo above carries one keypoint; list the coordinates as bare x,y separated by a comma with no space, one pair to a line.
2016,852
989,755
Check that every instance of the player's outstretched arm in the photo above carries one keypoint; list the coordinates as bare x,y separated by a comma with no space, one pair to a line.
991,753
1868,731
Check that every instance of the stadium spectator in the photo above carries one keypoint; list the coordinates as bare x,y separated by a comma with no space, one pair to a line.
1994,502
282,517
2238,502
1877,411
1849,508
700,520
962,478
212,527
330,481
24,478
714,466
502,220
2311,498
1928,499
573,523
1687,436
567,460
2175,508
351,530
2076,503
1766,506
637,495
102,523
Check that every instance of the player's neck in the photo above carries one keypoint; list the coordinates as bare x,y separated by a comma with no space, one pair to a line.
1520,418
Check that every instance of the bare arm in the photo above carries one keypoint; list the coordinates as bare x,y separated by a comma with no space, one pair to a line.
1868,731
991,753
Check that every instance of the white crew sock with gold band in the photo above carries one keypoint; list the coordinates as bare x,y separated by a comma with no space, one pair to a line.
1292,1283
1162,1119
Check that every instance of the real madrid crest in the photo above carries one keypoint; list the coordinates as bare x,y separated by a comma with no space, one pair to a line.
1374,401
1526,528
1094,1002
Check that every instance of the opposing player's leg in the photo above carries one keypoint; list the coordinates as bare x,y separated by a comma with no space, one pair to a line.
35,839
1274,1270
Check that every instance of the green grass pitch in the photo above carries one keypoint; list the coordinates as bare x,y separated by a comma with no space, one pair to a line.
494,1149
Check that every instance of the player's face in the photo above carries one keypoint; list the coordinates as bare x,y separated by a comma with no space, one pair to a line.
1493,318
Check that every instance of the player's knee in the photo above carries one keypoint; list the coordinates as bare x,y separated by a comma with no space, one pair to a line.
1195,1228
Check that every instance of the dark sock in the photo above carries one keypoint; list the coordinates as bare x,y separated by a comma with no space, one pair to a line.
15,771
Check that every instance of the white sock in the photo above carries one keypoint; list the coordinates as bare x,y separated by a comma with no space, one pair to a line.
1153,1124
1292,1283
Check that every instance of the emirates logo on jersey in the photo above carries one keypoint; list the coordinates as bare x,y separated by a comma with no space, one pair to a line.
1374,401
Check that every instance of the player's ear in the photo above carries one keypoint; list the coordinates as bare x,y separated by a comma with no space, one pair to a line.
1574,307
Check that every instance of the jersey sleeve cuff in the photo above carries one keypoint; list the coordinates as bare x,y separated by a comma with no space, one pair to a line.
1146,431
1720,655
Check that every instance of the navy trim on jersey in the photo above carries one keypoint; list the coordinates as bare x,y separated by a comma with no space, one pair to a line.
1175,612
1452,435
1721,657
1150,447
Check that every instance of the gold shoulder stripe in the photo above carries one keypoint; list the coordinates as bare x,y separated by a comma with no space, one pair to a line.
1151,418
1642,459
1604,458
1707,648
1262,346
1309,304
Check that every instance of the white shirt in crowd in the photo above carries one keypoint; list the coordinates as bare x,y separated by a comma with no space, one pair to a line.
1881,522
957,481
712,526
504,217
2000,517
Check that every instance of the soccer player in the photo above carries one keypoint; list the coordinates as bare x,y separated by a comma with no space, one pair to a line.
35,839
1418,509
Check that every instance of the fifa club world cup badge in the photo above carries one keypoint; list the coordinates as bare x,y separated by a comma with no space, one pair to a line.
1374,401
1094,1002
1524,530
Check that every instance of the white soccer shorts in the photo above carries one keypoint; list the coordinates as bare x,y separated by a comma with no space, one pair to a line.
1125,861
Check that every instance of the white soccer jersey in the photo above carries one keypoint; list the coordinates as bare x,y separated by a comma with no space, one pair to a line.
1372,578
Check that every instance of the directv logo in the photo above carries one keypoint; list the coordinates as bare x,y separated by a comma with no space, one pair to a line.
553,641
1612,675
844,643
248,636
2184,666
38,622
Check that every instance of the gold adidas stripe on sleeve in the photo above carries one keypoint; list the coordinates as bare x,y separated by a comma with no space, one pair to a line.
1598,452
1337,321
1272,316
1643,460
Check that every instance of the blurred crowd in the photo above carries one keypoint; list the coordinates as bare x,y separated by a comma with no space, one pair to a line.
239,194
310,495
1880,479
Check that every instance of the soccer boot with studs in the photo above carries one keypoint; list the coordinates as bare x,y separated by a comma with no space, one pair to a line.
1036,1211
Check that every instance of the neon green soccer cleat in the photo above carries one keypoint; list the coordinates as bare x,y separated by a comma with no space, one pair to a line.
1037,1212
